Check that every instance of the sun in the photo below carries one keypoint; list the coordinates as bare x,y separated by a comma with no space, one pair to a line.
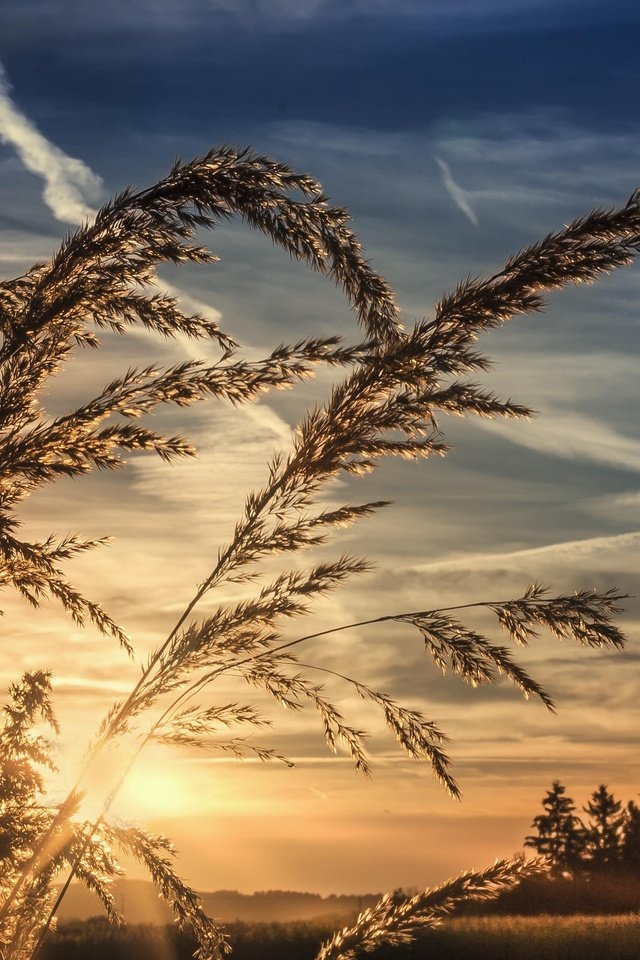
158,787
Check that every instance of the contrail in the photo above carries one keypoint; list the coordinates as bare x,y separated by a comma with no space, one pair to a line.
69,183
455,191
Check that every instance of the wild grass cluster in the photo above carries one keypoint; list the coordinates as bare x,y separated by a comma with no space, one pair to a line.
395,384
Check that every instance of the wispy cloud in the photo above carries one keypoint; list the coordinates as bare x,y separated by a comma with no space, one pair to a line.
569,551
572,437
70,185
455,191
234,446
566,565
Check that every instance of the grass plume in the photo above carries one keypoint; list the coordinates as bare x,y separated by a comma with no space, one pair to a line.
397,384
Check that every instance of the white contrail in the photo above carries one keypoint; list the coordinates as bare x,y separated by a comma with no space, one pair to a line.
69,183
455,191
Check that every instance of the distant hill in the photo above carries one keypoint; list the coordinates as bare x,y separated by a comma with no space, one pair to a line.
139,902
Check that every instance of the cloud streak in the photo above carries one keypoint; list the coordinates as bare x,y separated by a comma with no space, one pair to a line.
455,191
70,185
573,551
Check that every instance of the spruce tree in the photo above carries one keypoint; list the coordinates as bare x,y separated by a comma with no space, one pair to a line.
604,830
561,835
630,841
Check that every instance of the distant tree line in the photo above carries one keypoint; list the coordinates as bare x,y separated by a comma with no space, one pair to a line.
606,842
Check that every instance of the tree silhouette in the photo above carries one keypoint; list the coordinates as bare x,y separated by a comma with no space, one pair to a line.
630,845
601,858
561,836
604,830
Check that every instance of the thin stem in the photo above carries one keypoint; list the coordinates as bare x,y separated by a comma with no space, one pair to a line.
122,712
95,826
210,677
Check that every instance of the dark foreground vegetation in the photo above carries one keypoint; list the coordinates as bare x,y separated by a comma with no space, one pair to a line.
610,893
96,939
529,938
579,937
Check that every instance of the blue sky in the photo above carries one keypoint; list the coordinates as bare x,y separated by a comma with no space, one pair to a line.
456,132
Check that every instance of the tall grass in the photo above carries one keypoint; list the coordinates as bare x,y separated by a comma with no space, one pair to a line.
387,404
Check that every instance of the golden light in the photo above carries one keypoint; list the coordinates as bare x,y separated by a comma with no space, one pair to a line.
156,787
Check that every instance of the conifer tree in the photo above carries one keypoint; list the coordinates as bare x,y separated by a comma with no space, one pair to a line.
630,840
561,835
604,834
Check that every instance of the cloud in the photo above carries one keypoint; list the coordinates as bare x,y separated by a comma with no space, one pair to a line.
455,191
72,18
233,443
620,501
572,437
282,9
448,10
570,551
69,183
566,565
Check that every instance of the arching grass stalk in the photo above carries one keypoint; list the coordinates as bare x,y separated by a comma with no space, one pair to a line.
387,406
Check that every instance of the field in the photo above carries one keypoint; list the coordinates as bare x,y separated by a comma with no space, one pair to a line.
473,938
543,938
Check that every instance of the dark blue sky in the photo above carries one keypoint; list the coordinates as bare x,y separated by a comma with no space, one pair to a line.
385,70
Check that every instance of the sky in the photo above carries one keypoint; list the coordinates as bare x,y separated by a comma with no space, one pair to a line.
456,131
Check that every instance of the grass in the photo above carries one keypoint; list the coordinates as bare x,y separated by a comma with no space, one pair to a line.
395,387
549,937
466,938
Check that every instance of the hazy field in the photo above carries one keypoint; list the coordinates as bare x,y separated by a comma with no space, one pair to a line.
474,938
542,938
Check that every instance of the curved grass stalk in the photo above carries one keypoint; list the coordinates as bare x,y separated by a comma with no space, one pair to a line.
386,407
